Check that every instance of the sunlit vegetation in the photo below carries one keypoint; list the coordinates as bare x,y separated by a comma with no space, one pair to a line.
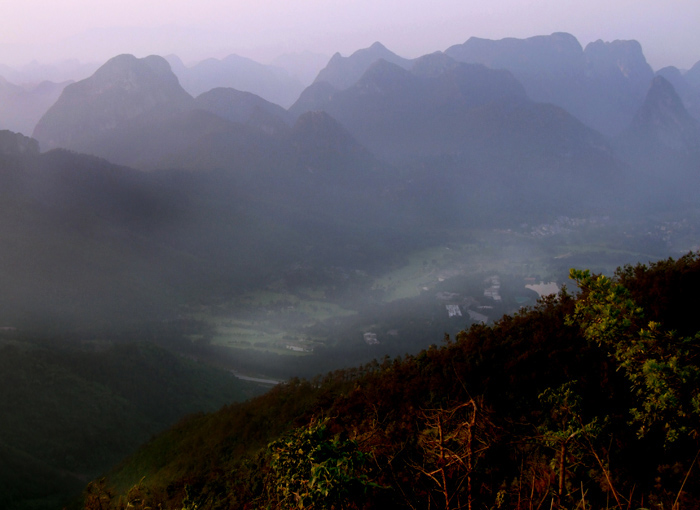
582,401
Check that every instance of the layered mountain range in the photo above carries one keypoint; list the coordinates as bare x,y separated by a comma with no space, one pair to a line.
484,133
150,188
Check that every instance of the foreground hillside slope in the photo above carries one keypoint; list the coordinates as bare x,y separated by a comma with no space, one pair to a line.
543,408
73,407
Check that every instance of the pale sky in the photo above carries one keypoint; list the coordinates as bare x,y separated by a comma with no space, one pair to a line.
95,30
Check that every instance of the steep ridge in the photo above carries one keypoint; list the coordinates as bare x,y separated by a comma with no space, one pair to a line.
22,107
663,121
124,90
689,94
395,112
474,128
342,72
662,144
692,75
270,82
602,85
134,112
75,225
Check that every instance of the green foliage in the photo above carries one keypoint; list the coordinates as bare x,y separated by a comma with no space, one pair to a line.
662,369
563,426
311,469
551,426
564,422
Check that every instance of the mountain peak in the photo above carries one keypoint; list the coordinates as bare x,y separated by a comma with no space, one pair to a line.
344,72
621,59
693,75
122,89
663,120
128,72
662,105
377,46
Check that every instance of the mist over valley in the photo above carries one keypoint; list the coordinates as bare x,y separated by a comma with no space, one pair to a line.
179,237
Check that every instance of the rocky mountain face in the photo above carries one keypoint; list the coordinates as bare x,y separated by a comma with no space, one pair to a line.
662,127
662,146
475,128
689,94
399,113
602,85
663,121
124,90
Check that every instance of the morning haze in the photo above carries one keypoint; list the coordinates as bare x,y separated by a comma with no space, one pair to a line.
283,208
94,31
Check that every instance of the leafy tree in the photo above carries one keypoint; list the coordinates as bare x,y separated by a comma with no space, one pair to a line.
311,469
662,368
563,428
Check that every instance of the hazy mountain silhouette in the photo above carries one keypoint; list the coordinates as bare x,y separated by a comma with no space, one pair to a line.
435,108
465,127
269,82
663,125
237,106
21,107
134,112
342,72
395,112
602,85
31,74
689,95
662,146
124,90
692,75
75,225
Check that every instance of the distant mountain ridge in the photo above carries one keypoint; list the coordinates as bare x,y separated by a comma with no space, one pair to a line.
689,93
269,82
21,107
343,72
134,112
139,209
602,85
661,129
122,90
239,106
475,128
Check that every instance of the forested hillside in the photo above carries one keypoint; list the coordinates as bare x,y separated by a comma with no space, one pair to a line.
587,400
